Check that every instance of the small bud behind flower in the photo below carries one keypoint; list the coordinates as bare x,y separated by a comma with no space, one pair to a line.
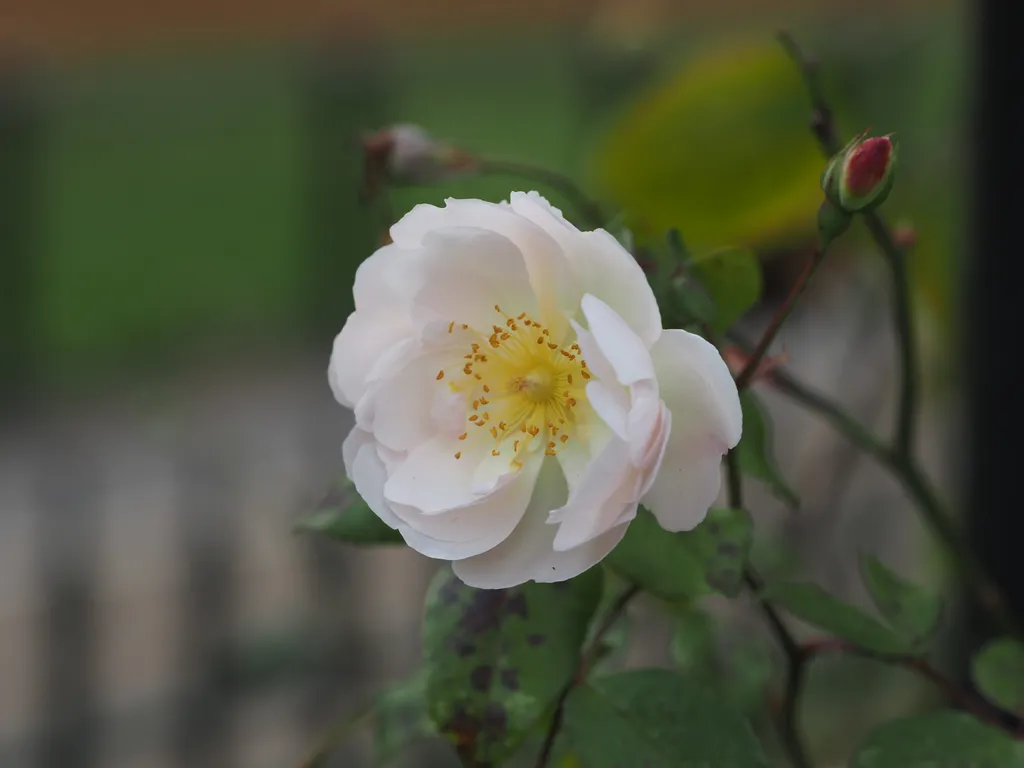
860,177
407,154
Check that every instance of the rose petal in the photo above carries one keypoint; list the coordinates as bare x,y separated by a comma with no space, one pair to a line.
697,388
554,282
472,530
432,480
366,471
622,348
603,266
466,271
528,554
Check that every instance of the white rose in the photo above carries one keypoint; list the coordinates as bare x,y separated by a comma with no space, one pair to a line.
516,398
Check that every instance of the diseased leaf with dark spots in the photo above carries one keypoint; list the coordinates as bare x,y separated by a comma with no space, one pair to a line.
497,659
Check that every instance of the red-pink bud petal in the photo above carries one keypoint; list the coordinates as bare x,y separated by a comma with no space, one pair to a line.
866,166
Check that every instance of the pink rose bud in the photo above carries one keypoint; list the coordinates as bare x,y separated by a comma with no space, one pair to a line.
860,177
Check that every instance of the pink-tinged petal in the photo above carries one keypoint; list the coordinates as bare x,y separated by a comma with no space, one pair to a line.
697,388
528,553
621,347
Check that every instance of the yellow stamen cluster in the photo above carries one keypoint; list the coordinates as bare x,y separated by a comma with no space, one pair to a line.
520,386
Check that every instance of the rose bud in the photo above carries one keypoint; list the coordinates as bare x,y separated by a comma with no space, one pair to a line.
860,177
407,154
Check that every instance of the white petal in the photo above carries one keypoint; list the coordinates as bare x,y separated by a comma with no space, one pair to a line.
610,401
693,377
685,488
706,422
365,336
471,530
528,554
366,471
383,289
432,480
605,269
621,347
466,271
386,280
600,498
554,282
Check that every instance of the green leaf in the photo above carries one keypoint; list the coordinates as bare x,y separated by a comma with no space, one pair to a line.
911,610
938,740
693,649
998,671
719,149
497,659
678,565
755,453
344,516
732,277
655,718
401,719
814,605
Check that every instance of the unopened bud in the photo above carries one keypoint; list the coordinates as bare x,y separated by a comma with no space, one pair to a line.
860,177
407,154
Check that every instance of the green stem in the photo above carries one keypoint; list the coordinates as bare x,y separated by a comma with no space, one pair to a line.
903,319
590,210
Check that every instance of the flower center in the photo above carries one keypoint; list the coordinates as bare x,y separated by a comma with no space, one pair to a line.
522,390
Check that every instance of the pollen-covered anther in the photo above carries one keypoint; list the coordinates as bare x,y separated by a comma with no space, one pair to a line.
529,388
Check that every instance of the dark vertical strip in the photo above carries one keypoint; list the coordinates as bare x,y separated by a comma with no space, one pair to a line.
346,95
991,349
68,504
206,519
20,142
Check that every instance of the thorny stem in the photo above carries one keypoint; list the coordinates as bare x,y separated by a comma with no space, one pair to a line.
900,457
587,659
590,210
747,374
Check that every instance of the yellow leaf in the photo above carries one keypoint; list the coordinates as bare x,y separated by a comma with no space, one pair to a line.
721,149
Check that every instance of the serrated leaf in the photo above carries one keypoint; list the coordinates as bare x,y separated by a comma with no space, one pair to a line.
655,718
343,516
732,278
755,451
998,671
814,605
912,611
496,659
678,565
938,740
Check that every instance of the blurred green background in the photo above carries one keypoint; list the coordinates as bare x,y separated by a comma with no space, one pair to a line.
198,202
